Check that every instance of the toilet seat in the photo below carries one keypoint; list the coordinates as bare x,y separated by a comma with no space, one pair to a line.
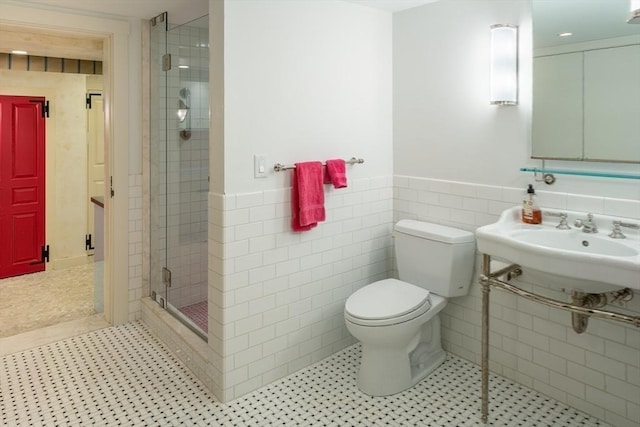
386,302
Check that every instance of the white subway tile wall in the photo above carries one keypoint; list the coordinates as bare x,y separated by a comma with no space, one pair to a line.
597,372
276,297
135,246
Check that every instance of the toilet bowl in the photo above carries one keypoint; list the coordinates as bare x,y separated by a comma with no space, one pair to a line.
397,321
400,336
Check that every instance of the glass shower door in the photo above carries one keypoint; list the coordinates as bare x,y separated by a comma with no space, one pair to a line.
181,161
158,158
188,170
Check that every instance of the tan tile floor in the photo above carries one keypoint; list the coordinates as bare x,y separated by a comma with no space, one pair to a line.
37,300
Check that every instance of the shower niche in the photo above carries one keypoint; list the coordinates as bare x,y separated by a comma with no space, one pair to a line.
179,168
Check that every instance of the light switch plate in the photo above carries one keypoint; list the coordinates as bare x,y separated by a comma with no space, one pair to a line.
259,166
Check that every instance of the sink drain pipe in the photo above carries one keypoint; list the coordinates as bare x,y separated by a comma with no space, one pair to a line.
580,321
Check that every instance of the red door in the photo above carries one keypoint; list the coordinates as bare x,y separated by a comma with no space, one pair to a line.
22,132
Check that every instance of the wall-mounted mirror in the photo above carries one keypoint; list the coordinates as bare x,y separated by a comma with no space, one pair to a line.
586,81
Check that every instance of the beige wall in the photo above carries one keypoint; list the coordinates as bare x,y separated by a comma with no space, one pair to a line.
66,162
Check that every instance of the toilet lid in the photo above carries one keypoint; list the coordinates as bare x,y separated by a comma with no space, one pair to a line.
385,299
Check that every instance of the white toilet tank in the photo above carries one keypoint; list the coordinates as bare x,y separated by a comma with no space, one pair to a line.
435,257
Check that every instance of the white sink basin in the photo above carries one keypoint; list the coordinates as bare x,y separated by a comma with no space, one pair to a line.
568,259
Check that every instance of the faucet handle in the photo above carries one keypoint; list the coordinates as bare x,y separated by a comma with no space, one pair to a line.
562,225
617,233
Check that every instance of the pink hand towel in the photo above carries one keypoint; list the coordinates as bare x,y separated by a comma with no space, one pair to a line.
307,196
336,173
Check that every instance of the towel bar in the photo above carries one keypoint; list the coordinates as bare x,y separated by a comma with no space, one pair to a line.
279,167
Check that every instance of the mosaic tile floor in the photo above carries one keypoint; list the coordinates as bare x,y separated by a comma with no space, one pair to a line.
33,301
198,314
124,376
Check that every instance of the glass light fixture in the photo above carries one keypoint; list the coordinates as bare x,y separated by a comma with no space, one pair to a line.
504,64
634,9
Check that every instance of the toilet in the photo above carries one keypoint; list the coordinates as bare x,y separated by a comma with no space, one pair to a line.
397,321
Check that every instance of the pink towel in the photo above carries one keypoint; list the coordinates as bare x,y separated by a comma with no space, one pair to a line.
336,173
307,196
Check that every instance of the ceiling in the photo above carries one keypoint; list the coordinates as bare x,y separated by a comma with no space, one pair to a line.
180,11
391,5
57,44
47,43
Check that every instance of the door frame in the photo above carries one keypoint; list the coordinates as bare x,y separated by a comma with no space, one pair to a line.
115,37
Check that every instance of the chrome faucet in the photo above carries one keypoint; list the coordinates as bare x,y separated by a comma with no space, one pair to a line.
587,225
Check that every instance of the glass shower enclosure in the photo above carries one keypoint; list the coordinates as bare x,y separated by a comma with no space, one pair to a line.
179,168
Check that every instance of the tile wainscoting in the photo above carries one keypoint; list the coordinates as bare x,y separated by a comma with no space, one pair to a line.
276,297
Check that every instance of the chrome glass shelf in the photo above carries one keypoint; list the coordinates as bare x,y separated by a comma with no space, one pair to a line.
580,173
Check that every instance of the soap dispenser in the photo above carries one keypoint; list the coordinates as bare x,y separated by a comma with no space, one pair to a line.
531,213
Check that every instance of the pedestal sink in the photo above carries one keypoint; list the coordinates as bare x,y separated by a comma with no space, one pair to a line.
568,259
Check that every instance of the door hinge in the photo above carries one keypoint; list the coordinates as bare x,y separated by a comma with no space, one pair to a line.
166,62
45,107
44,255
159,299
111,192
166,276
88,99
88,244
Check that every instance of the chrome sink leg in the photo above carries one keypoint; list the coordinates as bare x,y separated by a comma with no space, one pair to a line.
484,283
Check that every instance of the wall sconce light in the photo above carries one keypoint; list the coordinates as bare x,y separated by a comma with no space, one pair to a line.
504,64
634,8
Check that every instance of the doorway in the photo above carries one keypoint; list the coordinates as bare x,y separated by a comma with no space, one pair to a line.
114,37
22,185
64,290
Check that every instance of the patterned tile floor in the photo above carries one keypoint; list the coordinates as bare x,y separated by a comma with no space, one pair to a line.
124,376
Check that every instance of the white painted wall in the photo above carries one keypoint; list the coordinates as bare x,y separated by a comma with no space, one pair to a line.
305,80
444,126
